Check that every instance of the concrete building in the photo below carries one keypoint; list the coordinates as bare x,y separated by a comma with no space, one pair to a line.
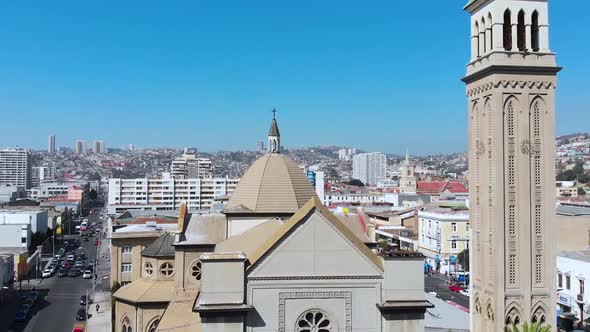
188,166
407,181
566,189
573,269
80,147
51,189
511,79
16,167
99,147
369,167
346,153
9,193
51,144
443,232
166,193
36,217
42,174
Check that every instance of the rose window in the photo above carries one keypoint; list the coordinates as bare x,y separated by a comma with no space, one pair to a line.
166,269
313,321
196,270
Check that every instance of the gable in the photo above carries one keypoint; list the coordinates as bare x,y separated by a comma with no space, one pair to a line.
315,248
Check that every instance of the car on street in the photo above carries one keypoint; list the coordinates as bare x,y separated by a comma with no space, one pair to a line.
87,274
81,314
24,307
71,257
83,300
78,328
91,262
62,273
79,265
46,273
455,288
464,292
73,272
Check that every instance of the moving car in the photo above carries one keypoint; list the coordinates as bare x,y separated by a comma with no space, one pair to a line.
87,274
46,273
62,273
83,300
71,257
81,314
73,272
456,288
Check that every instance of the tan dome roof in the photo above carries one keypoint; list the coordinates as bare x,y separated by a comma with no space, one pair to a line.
273,184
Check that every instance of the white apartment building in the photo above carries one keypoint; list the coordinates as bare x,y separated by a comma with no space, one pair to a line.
573,269
36,217
99,147
166,193
52,189
369,167
190,167
15,167
346,153
42,174
80,147
443,232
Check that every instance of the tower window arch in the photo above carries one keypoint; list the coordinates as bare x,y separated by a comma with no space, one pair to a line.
507,29
483,39
521,32
491,27
535,32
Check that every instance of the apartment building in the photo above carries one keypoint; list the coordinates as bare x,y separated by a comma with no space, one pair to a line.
16,167
189,166
369,167
167,193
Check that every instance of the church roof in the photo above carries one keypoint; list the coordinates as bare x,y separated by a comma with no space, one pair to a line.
260,240
161,247
273,184
146,291
274,128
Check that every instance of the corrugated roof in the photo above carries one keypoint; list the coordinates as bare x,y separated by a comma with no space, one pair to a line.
273,184
161,247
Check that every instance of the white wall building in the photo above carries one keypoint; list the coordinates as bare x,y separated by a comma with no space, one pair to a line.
573,269
99,147
15,234
51,189
190,167
36,218
15,167
369,167
166,193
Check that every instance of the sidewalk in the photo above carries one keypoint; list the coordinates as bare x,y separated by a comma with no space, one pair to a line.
99,321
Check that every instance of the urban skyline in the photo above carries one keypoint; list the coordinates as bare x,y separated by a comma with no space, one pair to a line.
239,100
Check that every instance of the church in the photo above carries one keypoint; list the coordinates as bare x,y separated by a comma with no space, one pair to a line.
278,261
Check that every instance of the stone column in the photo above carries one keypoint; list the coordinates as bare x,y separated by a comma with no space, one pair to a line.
514,37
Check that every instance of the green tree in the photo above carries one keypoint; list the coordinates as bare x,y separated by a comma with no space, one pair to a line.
463,259
584,178
579,167
533,327
581,191
93,194
568,175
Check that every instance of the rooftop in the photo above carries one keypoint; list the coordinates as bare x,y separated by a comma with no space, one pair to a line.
578,255
161,247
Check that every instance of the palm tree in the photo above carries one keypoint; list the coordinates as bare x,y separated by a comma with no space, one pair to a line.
533,327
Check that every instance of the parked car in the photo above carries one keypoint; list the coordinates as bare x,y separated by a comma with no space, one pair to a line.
83,300
71,257
455,288
62,273
87,274
81,314
73,272
465,292
21,315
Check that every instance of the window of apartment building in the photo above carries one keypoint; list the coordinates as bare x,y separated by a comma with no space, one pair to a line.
454,227
23,240
560,280
126,249
126,267
581,286
467,227
568,284
453,244
466,244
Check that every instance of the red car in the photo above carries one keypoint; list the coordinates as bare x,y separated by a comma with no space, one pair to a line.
96,242
455,288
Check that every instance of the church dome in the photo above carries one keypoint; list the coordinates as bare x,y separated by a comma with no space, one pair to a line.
274,184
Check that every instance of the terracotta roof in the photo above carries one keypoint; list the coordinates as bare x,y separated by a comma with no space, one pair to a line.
273,184
257,242
437,187
146,290
163,246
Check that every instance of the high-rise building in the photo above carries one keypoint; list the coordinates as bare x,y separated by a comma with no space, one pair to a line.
80,147
346,153
42,174
511,79
187,166
99,147
407,181
15,167
205,169
369,167
131,147
51,144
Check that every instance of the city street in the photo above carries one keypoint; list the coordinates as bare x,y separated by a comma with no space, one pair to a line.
59,298
437,283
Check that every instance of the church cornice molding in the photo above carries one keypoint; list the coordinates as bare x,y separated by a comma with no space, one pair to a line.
514,84
289,278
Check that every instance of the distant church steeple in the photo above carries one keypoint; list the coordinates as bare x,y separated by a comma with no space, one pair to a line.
274,136
408,179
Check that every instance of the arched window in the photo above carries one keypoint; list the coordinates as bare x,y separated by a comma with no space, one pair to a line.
124,328
477,38
484,30
490,22
535,32
154,325
507,31
521,32
314,320
196,270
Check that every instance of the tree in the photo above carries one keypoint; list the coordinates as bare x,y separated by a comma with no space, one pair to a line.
463,259
581,191
579,167
534,327
356,182
95,177
568,175
584,178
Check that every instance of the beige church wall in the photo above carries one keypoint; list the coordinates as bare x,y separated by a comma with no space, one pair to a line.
118,258
238,225
122,311
146,314
573,232
190,259
297,296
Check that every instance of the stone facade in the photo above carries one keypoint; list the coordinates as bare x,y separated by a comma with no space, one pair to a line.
511,82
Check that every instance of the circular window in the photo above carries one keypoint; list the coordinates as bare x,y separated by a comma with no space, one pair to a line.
167,269
313,321
149,268
196,270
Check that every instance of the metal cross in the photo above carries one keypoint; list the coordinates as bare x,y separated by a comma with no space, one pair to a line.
274,113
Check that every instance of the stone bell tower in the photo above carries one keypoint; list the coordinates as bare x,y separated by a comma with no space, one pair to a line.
511,79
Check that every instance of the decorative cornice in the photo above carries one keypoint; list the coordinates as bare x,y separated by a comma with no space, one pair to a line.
521,84
374,277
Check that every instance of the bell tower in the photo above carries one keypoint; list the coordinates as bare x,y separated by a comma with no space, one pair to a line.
274,136
511,79
408,179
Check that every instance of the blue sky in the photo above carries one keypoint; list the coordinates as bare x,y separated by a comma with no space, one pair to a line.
378,75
